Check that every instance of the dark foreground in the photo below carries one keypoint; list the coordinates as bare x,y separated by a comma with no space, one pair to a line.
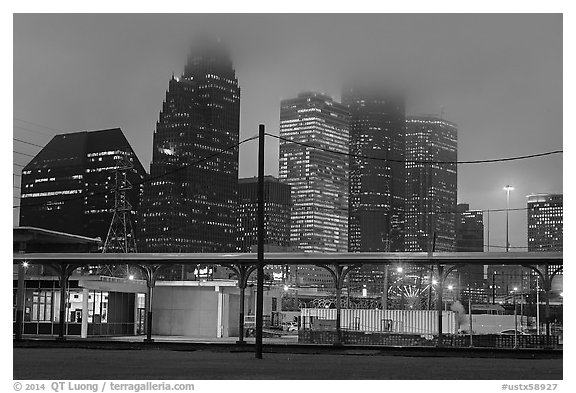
114,364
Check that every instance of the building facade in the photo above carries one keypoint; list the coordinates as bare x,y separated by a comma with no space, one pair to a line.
470,238
431,184
545,222
69,185
276,213
377,186
314,162
190,201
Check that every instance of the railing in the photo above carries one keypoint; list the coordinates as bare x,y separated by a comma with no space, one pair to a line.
306,336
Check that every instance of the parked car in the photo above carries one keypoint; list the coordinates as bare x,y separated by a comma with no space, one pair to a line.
290,326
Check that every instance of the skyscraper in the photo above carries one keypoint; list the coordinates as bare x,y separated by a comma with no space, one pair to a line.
315,165
377,186
545,222
318,178
69,185
431,188
470,238
190,202
276,214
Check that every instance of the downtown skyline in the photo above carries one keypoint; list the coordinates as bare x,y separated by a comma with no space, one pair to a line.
480,185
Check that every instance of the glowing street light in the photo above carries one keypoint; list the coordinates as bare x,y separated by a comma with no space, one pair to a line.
131,277
24,264
507,188
286,288
434,282
399,269
450,287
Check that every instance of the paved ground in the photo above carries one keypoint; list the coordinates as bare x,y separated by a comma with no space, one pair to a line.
76,363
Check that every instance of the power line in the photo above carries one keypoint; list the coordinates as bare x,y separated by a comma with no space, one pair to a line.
153,177
413,161
38,125
24,154
28,143
33,131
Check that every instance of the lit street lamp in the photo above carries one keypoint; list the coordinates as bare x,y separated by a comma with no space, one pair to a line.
508,188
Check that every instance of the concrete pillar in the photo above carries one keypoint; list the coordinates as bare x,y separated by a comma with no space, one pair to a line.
84,330
20,294
136,320
63,283
219,327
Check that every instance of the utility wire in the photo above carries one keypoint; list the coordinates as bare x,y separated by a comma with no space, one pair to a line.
28,143
38,125
153,177
24,154
33,131
415,161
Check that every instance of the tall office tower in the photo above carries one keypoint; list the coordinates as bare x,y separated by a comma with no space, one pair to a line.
315,165
276,214
69,185
430,187
470,238
377,186
545,222
190,202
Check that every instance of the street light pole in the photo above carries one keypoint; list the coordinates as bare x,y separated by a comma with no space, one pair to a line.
508,188
515,319
260,264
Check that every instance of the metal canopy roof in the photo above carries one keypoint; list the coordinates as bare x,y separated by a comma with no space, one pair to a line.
33,239
456,258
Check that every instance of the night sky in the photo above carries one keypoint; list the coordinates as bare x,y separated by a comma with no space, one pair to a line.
497,76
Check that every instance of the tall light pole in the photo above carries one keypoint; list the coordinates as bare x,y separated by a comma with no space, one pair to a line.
508,188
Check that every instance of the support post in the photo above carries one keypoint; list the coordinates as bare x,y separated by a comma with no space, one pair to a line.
547,313
547,288
63,282
515,321
440,292
537,305
149,295
84,328
219,319
338,306
260,274
470,316
241,313
20,294
385,292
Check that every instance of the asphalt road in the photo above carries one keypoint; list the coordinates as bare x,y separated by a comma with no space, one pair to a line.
77,363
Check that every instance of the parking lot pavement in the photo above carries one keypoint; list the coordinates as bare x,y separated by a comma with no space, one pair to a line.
112,364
